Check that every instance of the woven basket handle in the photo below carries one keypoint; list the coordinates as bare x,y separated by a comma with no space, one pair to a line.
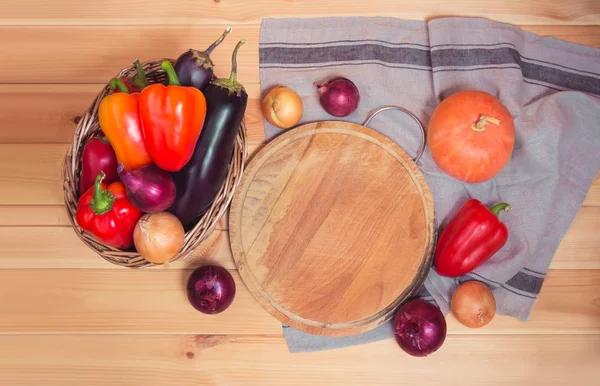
384,108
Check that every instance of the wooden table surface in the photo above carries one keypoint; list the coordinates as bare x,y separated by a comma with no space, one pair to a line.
69,318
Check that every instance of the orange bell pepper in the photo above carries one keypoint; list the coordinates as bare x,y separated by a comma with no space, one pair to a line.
119,118
172,119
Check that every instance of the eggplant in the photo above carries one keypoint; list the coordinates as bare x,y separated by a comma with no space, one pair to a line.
199,181
195,68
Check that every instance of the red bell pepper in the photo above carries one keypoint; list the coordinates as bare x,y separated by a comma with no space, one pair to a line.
107,214
172,119
473,236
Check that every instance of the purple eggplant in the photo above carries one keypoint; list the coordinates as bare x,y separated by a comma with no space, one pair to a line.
199,181
195,68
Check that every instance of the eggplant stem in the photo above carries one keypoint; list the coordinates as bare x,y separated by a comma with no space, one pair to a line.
210,49
232,84
233,75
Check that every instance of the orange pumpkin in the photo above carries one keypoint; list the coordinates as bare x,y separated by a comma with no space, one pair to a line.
471,136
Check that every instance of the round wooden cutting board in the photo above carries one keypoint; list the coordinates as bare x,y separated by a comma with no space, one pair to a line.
332,228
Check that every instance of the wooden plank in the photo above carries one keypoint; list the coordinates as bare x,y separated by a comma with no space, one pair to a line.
262,360
242,11
153,301
94,54
31,194
586,35
26,116
33,216
125,301
30,174
593,196
580,248
59,247
48,216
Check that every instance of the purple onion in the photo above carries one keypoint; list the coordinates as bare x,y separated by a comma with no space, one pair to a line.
338,96
211,289
419,328
149,188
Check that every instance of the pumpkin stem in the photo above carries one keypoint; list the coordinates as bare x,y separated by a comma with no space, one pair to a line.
481,124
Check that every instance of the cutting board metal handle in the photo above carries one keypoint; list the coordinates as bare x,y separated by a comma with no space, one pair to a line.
384,108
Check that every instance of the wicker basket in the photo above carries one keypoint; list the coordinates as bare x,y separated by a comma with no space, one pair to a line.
88,126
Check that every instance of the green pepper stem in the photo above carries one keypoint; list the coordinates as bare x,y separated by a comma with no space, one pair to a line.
116,83
168,68
233,76
104,139
503,206
140,80
210,49
103,200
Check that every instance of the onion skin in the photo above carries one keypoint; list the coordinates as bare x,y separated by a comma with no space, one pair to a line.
338,96
149,188
419,328
211,289
158,237
282,107
473,304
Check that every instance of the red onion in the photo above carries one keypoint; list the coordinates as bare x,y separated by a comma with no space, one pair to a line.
419,328
149,188
338,96
211,289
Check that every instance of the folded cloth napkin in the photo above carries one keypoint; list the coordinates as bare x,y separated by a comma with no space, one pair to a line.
550,86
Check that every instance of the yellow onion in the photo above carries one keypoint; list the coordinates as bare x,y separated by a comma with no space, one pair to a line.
282,107
473,304
158,237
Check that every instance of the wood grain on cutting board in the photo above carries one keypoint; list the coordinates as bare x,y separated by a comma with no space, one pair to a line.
332,227
70,318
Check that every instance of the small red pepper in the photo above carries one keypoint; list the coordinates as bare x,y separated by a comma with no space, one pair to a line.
137,83
107,214
473,236
172,118
130,87
98,156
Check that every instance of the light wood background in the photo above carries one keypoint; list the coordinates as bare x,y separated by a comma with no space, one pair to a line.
69,318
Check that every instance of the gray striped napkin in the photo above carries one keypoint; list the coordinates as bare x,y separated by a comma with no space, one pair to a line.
550,86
